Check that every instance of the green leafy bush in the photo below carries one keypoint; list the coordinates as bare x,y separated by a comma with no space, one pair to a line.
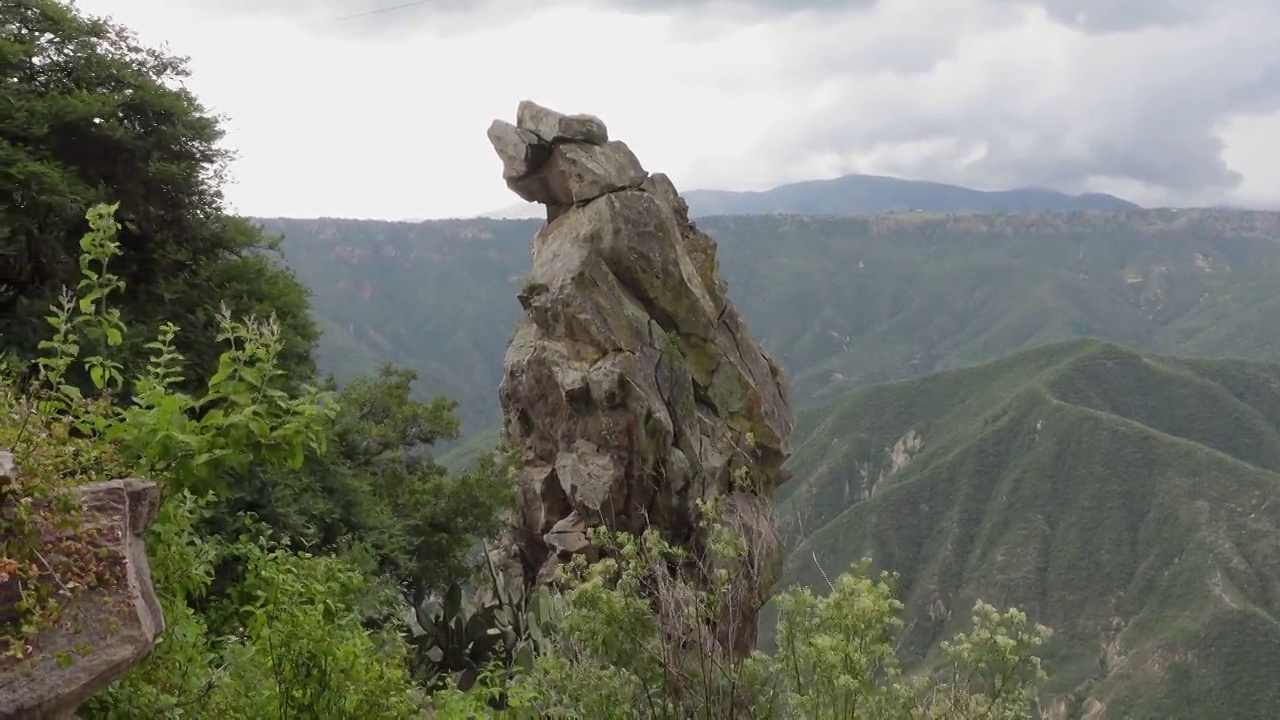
298,647
632,640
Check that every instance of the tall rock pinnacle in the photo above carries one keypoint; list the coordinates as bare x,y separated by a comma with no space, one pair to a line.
632,387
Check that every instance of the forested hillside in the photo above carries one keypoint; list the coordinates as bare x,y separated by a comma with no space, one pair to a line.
841,302
1126,501
1121,497
312,558
194,524
438,297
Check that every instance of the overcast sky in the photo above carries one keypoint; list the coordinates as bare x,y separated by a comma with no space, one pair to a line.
384,115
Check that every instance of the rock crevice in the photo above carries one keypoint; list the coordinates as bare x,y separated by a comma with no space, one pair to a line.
632,387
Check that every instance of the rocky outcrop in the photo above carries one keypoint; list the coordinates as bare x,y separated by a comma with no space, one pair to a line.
102,630
632,387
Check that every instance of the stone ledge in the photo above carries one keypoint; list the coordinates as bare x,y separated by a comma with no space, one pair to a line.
102,632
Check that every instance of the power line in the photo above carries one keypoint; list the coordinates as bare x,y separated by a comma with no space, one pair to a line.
375,11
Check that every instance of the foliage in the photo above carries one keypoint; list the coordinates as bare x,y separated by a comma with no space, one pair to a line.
837,658
454,643
89,115
299,648
1123,499
242,414
298,645
375,490
629,641
45,561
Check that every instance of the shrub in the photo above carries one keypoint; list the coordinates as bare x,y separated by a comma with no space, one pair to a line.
298,647
631,643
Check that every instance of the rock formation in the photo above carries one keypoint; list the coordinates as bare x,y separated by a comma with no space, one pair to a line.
102,631
632,387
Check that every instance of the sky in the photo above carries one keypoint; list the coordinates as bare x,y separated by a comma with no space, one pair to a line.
359,108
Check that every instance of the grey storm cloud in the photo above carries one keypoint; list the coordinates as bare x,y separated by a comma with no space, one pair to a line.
1127,15
1141,107
364,16
1145,94
1088,15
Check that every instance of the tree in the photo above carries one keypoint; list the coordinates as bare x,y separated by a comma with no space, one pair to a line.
376,491
89,115
288,639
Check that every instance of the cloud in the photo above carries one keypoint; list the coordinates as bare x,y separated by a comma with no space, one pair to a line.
1000,94
452,17
1162,101
1105,16
507,10
382,16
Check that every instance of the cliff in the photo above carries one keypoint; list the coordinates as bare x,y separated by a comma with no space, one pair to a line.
632,388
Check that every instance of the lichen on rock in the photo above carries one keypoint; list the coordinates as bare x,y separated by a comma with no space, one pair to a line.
632,387
103,630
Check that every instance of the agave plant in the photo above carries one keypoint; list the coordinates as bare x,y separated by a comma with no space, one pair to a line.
460,642
453,640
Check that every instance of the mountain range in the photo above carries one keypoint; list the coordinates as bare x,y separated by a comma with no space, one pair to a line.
868,195
1129,502
842,302
1075,413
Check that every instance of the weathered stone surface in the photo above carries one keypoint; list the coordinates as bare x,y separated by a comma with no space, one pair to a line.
569,535
520,150
553,127
579,173
571,174
562,160
104,631
632,386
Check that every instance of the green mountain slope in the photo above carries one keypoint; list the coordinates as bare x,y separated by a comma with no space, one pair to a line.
1129,502
438,297
841,302
874,194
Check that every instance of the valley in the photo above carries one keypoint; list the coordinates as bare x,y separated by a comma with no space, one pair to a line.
1126,501
865,444
980,414
841,302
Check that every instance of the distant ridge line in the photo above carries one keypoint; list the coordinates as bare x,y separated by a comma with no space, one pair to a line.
869,195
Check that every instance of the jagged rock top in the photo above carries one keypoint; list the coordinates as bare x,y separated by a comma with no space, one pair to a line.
632,386
562,160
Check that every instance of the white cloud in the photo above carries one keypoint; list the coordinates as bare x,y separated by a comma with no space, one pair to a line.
991,93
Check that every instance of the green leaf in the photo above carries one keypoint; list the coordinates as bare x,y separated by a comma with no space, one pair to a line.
467,678
452,601
296,455
524,658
